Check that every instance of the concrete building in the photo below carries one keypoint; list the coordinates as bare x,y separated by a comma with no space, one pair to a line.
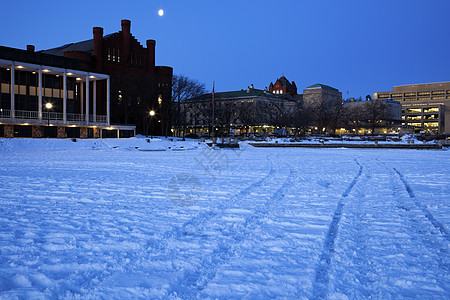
323,104
48,96
426,107
138,86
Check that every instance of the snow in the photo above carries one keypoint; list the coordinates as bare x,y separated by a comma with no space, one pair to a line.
129,218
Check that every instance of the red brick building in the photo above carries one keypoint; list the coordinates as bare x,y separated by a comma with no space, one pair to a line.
283,86
137,85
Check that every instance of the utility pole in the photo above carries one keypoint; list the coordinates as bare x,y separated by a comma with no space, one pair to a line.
213,119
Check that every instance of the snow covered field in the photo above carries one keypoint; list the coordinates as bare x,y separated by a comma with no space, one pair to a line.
101,219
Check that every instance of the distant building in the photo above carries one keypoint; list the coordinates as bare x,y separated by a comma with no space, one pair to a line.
321,93
372,117
283,86
426,107
137,85
323,104
245,111
49,96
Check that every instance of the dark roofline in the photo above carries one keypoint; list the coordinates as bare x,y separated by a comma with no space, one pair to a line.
38,58
247,93
323,86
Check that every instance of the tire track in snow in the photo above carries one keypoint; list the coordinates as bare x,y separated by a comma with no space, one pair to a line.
185,228
195,282
386,241
321,280
435,249
438,225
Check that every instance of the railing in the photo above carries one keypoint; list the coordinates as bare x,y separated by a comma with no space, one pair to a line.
26,114
76,117
5,113
52,116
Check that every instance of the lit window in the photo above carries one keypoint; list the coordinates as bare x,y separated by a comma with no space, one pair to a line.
109,54
431,124
113,54
409,94
423,93
396,95
159,99
118,55
438,97
431,109
438,93
414,110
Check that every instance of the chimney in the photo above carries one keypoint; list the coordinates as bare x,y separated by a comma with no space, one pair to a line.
151,44
126,39
98,46
30,48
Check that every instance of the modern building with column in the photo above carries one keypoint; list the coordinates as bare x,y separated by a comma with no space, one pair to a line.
49,96
425,107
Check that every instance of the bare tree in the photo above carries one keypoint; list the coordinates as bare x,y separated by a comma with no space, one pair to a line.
375,112
325,113
183,88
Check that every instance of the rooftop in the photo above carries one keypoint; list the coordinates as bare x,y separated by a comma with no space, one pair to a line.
250,92
321,86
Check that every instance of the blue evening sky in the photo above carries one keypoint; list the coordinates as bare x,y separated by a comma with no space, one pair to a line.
359,46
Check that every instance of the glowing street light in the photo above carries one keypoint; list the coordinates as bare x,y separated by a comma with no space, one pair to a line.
48,106
151,114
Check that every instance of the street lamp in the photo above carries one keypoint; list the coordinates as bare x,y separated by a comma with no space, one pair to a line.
48,106
151,114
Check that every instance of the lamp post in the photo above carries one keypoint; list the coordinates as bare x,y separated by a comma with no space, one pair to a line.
48,106
151,114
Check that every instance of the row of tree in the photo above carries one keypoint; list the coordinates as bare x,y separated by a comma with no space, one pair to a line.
324,116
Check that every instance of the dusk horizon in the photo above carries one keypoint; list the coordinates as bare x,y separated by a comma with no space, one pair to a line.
357,47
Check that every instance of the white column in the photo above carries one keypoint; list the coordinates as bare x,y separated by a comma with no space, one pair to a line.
40,95
87,98
81,99
13,91
108,100
65,97
94,104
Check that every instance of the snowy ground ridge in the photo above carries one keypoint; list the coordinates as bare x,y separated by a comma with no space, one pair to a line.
320,285
192,284
439,226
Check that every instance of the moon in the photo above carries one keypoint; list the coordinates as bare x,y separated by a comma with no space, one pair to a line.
160,12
